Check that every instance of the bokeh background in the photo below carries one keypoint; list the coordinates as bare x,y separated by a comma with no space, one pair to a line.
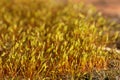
109,8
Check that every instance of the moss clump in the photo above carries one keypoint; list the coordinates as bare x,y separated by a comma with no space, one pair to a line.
40,40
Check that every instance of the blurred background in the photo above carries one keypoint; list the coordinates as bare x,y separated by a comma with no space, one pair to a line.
109,8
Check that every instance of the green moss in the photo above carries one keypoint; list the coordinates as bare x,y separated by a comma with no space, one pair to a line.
41,40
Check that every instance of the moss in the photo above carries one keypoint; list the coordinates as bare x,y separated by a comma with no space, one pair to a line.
41,40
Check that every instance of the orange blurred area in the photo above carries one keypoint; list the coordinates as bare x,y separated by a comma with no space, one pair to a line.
109,7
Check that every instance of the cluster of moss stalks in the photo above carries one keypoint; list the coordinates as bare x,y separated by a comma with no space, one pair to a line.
41,40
